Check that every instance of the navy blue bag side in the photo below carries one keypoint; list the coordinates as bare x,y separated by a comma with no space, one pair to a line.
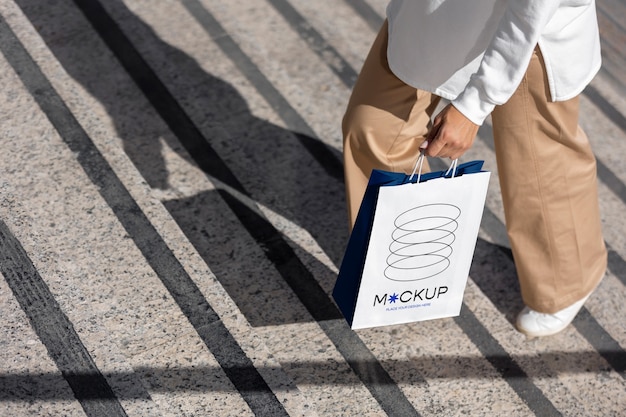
349,278
348,281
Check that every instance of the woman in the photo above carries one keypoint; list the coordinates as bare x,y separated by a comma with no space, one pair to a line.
525,64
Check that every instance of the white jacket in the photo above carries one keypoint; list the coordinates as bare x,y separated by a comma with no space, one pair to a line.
475,52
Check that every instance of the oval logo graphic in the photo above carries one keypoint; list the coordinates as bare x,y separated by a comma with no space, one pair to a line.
421,243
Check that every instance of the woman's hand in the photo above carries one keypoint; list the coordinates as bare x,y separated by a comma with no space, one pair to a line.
451,135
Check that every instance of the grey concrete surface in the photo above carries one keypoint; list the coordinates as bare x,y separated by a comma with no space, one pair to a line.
172,220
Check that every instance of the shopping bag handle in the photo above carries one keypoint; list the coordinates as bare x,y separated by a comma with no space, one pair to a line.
418,165
420,162
452,168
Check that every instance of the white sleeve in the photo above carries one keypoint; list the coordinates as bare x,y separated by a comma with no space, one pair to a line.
506,58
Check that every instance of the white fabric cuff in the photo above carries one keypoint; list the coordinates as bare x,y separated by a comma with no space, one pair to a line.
472,105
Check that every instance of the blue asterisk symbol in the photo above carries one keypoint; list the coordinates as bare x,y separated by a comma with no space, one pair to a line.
393,298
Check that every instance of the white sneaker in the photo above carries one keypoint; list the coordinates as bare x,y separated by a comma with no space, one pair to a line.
535,324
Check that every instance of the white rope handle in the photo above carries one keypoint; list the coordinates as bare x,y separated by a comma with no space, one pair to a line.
453,167
420,162
418,167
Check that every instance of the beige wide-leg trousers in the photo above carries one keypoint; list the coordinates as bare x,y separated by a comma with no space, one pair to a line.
546,168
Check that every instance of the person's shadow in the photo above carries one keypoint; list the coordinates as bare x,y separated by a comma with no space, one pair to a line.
274,165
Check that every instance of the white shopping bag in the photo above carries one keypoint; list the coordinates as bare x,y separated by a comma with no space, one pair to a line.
419,249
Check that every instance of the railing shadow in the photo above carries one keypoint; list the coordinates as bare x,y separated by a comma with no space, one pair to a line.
271,164
48,386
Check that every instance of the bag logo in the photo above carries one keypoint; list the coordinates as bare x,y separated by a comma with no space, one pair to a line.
410,296
421,243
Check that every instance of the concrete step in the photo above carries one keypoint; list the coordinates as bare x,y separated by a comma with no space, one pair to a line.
172,221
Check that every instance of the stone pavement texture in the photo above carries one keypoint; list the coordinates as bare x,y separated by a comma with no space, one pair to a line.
172,219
